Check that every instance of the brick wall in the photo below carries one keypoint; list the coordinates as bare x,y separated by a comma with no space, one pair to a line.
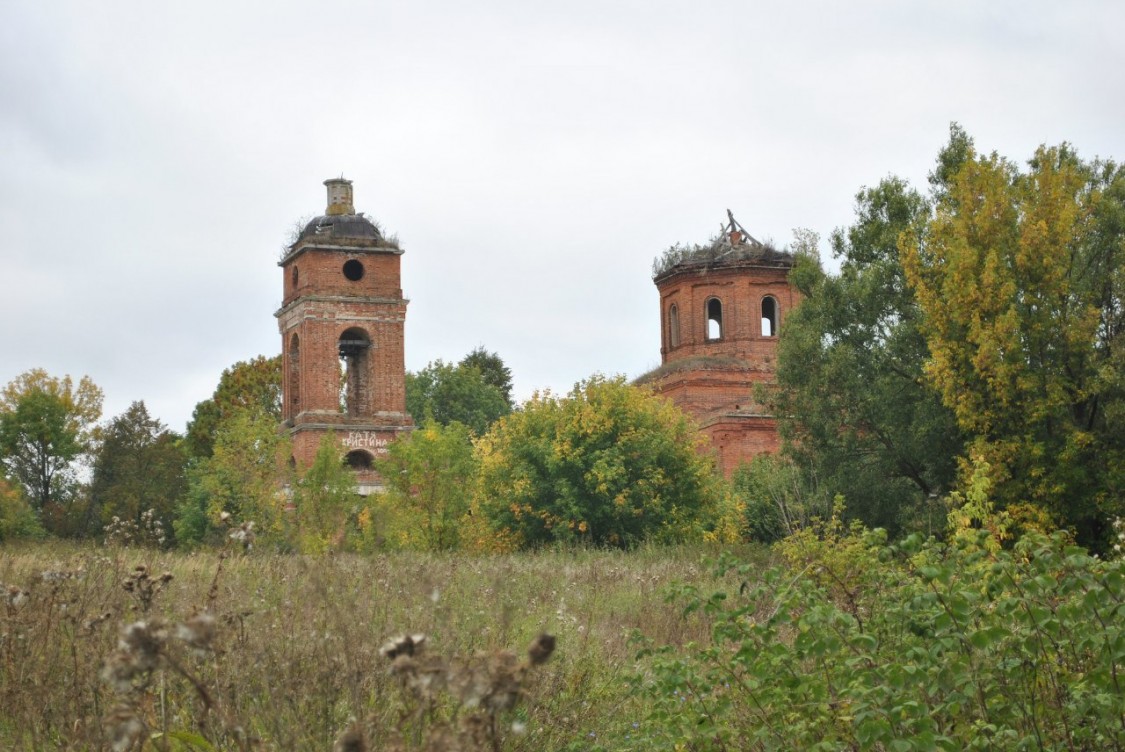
320,305
719,374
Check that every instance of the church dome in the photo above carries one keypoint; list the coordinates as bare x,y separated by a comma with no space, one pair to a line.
340,227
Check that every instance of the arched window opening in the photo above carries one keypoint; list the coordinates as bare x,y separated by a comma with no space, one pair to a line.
354,346
769,317
295,275
673,326
294,375
714,319
357,459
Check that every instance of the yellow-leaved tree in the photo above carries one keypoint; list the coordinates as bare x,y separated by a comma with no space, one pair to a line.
1019,278
47,424
609,464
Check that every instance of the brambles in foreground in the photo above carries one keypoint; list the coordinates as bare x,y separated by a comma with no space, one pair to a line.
860,645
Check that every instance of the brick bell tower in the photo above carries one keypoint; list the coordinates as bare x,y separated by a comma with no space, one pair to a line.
341,320
722,306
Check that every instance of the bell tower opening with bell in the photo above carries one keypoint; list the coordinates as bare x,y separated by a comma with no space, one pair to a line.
342,321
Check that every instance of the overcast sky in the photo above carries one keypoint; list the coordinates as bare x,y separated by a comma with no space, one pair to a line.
533,158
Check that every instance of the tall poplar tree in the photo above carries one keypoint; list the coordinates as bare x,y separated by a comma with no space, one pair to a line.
1019,279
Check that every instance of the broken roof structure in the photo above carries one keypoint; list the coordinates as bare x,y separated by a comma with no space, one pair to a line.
732,246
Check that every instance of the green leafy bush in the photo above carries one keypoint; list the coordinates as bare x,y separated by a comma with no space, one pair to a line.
921,645
17,518
609,465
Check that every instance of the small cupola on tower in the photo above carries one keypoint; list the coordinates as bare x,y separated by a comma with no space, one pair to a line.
339,197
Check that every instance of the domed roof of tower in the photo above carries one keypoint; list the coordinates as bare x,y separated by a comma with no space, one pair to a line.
340,226
732,246
341,222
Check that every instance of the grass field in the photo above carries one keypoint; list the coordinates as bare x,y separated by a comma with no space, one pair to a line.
293,655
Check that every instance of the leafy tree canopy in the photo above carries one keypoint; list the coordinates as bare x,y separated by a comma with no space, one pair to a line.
253,383
429,476
858,417
322,499
462,393
17,518
1020,280
138,467
492,370
46,425
243,478
609,463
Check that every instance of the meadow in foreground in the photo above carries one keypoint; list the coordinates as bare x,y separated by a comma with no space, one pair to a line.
107,648
836,639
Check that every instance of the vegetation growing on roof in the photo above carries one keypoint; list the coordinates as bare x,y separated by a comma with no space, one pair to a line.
338,227
732,244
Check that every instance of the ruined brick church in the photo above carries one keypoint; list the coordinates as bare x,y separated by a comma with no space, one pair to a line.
721,309
343,316
342,321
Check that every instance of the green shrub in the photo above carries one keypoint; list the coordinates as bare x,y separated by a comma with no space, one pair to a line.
17,518
921,645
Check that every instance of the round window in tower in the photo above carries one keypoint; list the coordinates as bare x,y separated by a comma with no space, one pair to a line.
353,270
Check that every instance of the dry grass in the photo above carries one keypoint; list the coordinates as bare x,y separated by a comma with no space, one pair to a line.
198,651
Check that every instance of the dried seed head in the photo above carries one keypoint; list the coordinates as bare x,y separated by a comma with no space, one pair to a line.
351,740
197,632
505,675
243,534
541,649
118,671
403,645
143,641
404,665
124,727
91,624
17,596
476,727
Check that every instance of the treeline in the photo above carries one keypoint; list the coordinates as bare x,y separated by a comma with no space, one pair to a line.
607,464
974,331
972,340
